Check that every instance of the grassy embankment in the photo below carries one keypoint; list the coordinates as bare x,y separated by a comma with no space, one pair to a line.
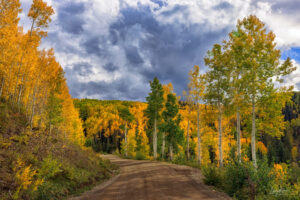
36,165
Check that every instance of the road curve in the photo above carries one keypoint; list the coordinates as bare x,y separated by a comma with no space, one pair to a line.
152,180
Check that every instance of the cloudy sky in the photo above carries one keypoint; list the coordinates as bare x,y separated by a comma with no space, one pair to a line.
110,49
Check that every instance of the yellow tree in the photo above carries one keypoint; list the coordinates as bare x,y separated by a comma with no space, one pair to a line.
218,78
189,106
261,65
197,87
8,39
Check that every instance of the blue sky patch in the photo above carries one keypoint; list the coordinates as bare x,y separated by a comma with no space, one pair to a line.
293,53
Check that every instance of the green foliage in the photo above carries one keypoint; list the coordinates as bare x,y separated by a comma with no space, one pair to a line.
50,168
54,110
170,125
244,181
212,175
155,103
140,156
154,99
125,114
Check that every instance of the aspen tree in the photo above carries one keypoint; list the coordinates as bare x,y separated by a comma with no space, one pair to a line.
261,65
197,87
217,85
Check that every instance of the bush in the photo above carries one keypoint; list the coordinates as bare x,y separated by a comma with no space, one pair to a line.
235,179
212,175
243,181
140,156
50,168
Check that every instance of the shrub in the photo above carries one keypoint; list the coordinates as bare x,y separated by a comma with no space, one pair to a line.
235,178
140,156
50,168
212,175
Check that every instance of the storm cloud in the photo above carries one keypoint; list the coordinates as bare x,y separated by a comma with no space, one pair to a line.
112,49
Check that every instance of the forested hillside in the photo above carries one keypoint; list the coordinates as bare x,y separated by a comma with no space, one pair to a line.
41,137
105,131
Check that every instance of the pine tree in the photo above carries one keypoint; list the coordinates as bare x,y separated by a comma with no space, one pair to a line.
155,104
174,134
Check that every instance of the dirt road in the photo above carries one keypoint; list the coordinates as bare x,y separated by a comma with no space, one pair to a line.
150,180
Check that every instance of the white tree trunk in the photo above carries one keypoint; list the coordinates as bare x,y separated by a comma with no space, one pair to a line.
163,146
220,137
32,108
2,86
155,140
126,153
198,135
238,133
188,136
171,152
253,149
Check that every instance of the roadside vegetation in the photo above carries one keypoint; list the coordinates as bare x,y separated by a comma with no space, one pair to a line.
42,153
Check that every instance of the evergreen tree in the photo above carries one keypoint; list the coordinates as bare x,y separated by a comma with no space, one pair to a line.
155,104
174,134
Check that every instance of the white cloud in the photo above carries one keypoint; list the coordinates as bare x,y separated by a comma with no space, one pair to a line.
294,77
212,16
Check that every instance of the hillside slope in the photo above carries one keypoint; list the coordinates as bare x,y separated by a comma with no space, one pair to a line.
36,165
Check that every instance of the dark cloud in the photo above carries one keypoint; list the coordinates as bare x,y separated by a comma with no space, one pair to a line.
150,48
123,89
177,9
287,6
92,46
111,67
70,19
159,2
224,6
73,8
133,55
82,68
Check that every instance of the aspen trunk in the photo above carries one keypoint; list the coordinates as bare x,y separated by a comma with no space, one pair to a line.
253,150
171,152
9,78
20,94
238,133
21,89
220,138
163,146
17,81
198,135
155,140
32,108
126,154
188,137
2,86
